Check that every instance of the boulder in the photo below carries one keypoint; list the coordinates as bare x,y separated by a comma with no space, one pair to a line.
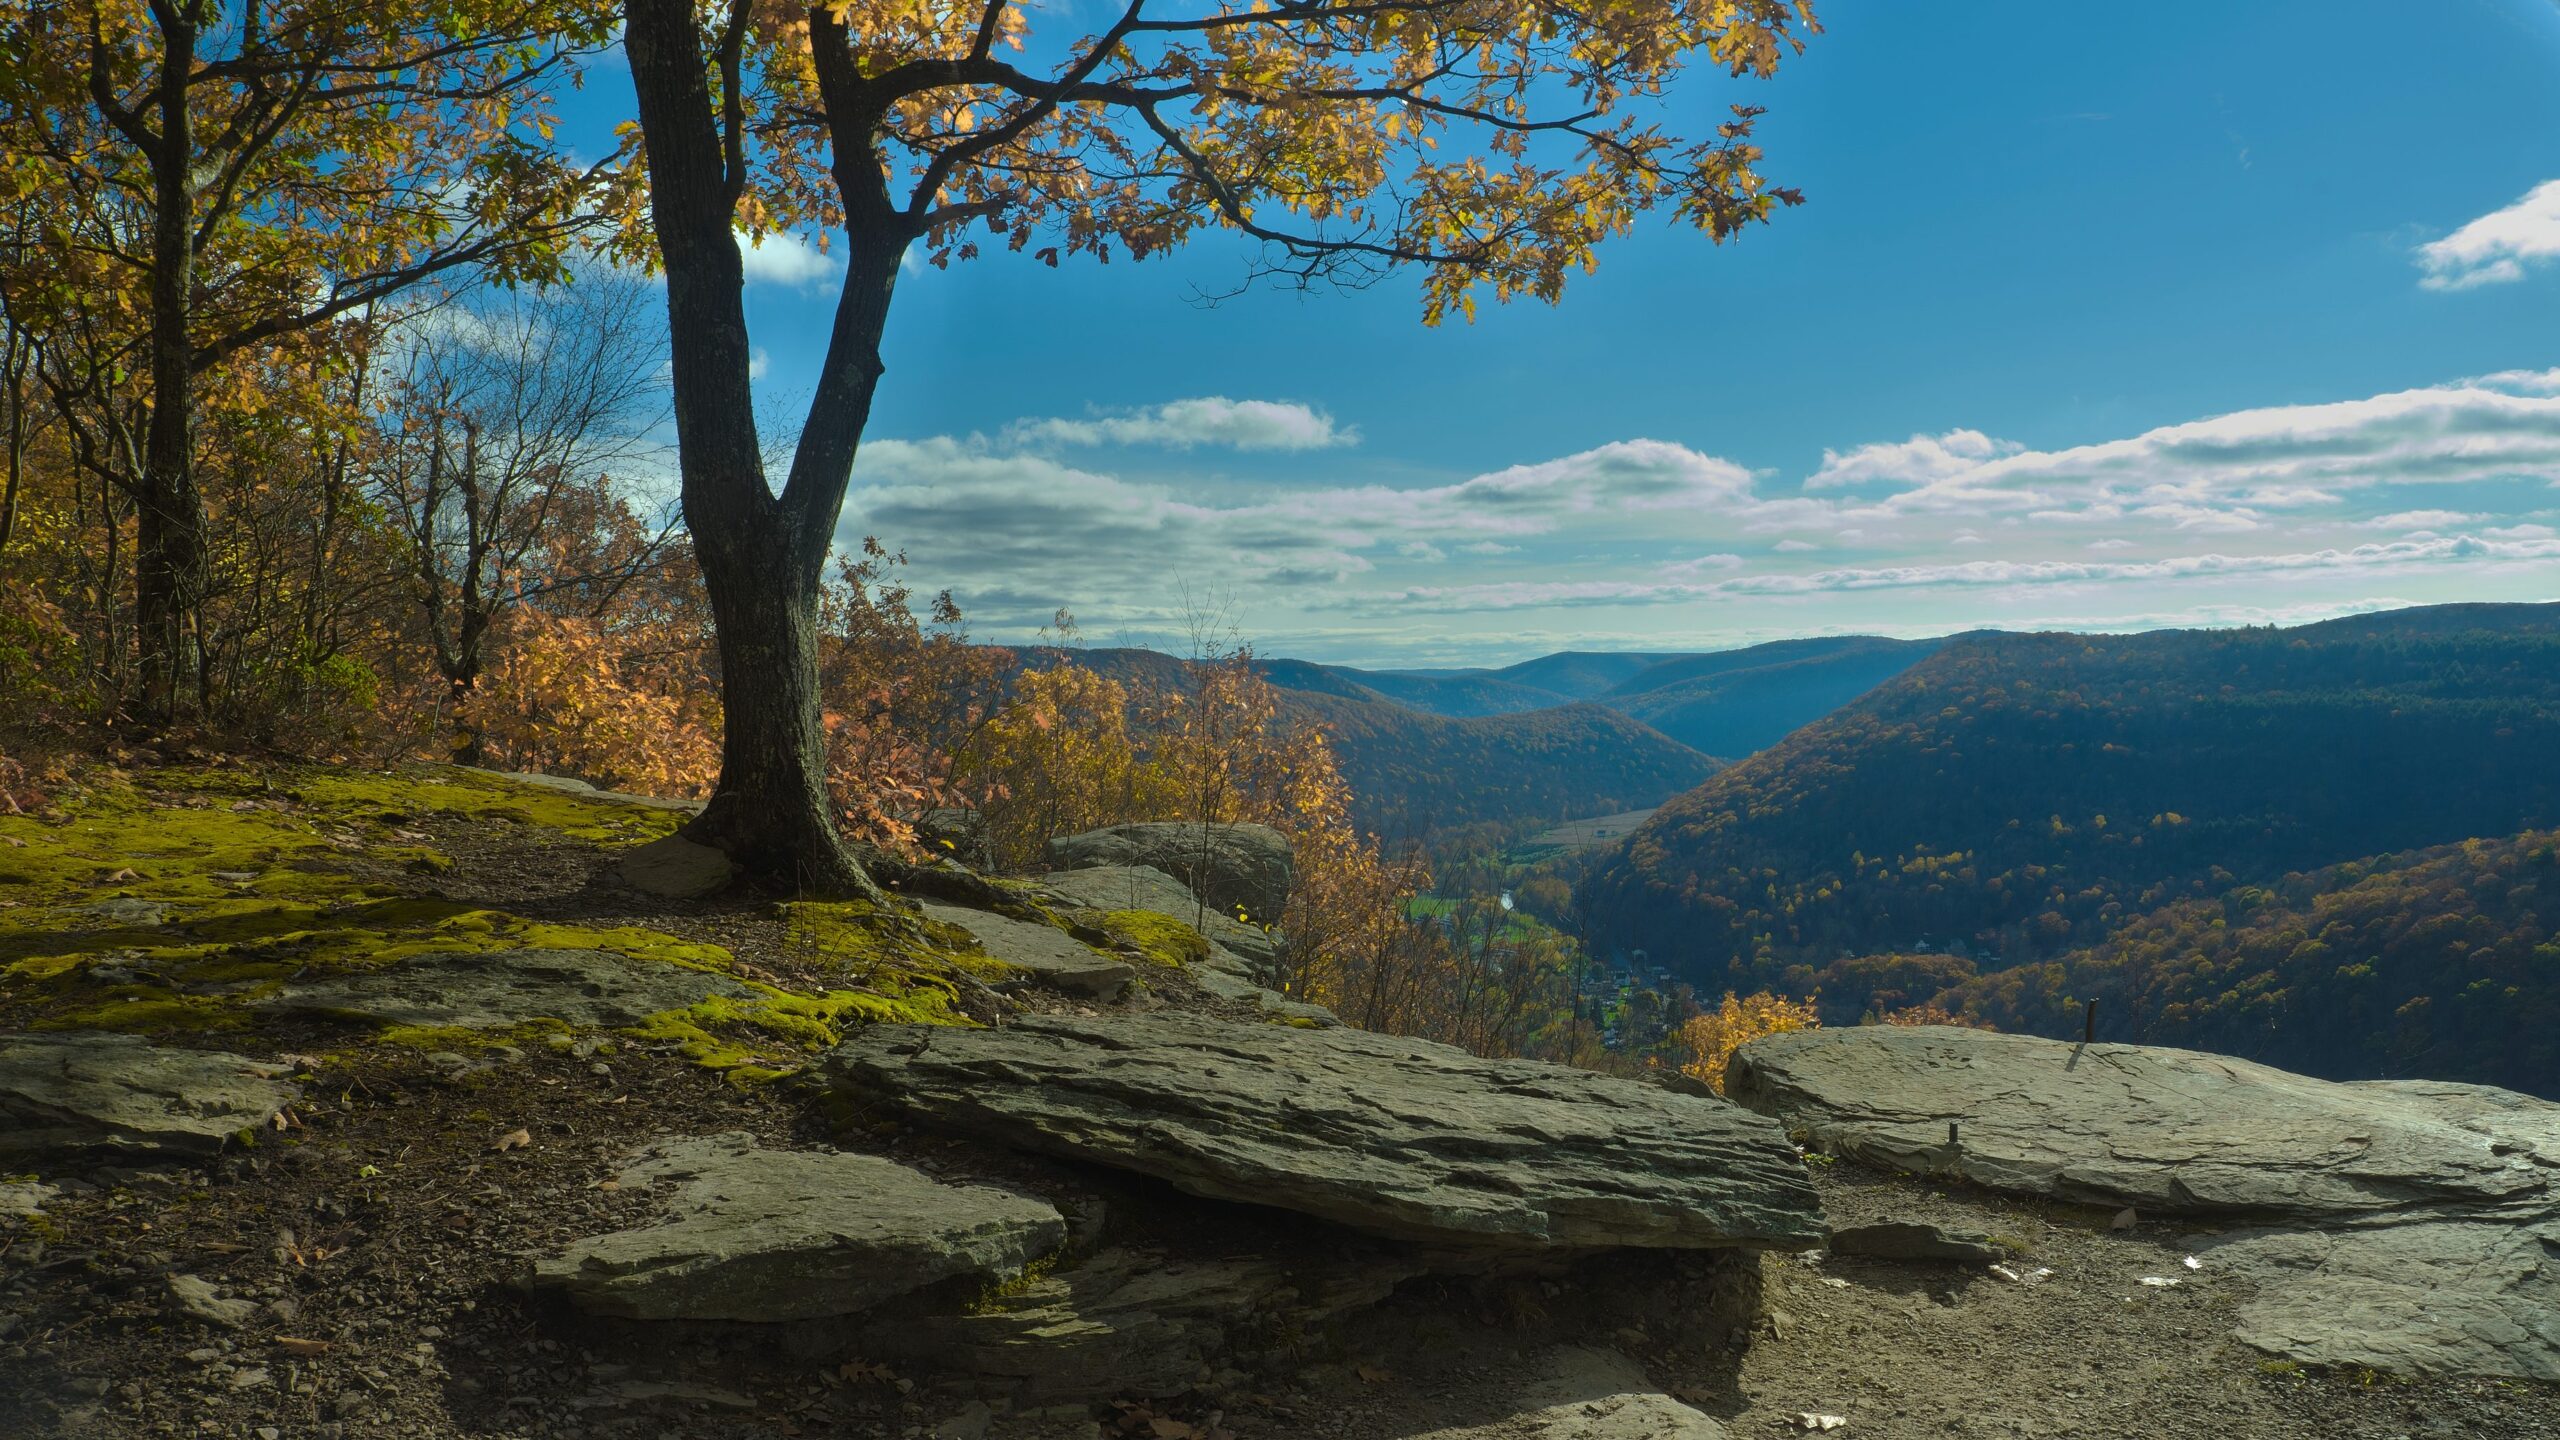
1131,1322
2410,1226
1229,867
1045,954
1226,986
1248,952
674,868
1393,1136
1575,1392
2166,1131
87,1090
495,989
753,1234
1908,1240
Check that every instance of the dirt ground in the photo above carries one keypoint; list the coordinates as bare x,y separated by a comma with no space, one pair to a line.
386,1236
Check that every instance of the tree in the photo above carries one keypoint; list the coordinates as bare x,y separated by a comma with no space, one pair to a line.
1313,126
505,427
246,175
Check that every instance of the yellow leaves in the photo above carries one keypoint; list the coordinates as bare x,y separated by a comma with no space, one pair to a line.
1711,1039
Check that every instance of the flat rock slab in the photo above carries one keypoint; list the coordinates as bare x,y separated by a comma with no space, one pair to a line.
495,989
1393,1136
2404,1225
86,1090
1045,954
1578,1393
2461,1298
2171,1131
762,1235
1247,951
1230,867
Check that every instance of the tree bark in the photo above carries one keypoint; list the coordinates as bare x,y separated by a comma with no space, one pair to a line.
169,556
762,556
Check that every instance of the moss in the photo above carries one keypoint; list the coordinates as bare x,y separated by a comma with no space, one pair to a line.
856,937
248,947
771,1033
398,796
261,893
463,1040
146,1010
1159,939
638,944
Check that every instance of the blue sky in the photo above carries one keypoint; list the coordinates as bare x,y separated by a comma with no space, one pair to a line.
2096,316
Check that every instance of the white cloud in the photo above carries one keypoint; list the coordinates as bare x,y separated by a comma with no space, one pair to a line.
2418,520
1701,565
2208,474
2266,494
1205,420
1916,461
2498,247
1045,533
1970,574
787,260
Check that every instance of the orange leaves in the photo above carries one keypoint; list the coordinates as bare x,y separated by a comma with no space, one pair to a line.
571,695
905,694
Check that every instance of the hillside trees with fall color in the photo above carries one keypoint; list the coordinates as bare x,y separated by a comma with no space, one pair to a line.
199,193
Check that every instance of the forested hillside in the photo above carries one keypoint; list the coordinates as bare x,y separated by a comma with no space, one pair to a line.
1412,773
2017,795
2438,963
1737,702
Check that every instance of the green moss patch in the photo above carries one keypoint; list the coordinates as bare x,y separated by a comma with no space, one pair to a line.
1160,939
773,1033
867,941
174,900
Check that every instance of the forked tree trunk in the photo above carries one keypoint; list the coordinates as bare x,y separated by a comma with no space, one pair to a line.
762,555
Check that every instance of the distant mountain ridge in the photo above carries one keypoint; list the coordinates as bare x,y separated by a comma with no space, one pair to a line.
2019,794
1722,702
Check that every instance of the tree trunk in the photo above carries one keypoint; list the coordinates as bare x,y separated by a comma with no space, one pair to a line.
169,561
762,555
